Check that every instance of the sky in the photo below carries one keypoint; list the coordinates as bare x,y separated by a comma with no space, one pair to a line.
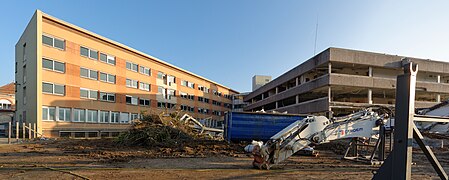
231,41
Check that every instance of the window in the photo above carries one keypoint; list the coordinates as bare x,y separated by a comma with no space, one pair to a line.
24,74
144,86
161,104
48,113
5,104
79,115
134,116
92,116
89,94
144,70
187,108
107,58
107,97
114,117
104,116
187,96
171,80
188,84
170,93
204,89
53,65
53,88
161,75
88,73
144,102
132,66
216,103
53,42
124,117
131,83
107,77
131,100
64,114
90,53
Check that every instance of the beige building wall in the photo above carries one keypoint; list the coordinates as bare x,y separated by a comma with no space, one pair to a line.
75,37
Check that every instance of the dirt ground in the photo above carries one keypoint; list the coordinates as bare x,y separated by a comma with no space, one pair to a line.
102,159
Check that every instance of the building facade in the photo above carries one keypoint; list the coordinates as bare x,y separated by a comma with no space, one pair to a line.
259,81
72,82
7,103
339,81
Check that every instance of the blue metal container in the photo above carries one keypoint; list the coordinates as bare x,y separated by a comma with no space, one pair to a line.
247,126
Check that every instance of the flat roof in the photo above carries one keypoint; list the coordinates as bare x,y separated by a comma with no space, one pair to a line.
79,29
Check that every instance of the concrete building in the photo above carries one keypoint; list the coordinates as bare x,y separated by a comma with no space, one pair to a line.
73,82
7,107
7,103
237,102
259,81
342,80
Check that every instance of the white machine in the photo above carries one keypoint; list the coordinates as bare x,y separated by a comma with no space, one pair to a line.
315,130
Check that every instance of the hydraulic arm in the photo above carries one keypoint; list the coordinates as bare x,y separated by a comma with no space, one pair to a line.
314,130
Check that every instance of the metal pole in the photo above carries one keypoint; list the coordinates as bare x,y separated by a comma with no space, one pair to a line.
9,132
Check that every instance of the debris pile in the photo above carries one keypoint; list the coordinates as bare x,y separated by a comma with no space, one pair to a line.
158,131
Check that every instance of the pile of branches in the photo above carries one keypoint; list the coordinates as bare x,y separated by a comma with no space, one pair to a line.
157,131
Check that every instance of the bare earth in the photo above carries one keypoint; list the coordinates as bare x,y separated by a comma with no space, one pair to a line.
75,159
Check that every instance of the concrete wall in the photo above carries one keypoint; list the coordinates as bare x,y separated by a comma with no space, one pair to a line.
32,37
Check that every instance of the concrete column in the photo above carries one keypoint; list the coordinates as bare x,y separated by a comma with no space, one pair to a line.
263,96
370,71
297,81
329,94
109,116
72,114
277,105
438,98
370,96
56,113
297,99
277,90
438,79
98,116
329,68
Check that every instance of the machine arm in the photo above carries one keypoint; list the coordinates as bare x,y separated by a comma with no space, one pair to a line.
314,129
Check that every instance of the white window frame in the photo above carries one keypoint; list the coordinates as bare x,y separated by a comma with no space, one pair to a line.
91,116
107,96
89,74
142,86
115,117
132,65
53,88
144,69
79,115
134,100
88,93
109,58
107,78
89,50
144,99
132,83
64,114
53,65
53,41
48,113
102,118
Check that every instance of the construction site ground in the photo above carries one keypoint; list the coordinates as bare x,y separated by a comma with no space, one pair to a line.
102,159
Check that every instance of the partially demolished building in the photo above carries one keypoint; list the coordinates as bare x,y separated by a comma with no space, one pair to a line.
342,80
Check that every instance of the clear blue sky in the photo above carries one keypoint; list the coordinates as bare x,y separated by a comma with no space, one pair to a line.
230,41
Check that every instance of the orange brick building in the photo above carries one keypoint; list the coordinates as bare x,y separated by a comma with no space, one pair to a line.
73,82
